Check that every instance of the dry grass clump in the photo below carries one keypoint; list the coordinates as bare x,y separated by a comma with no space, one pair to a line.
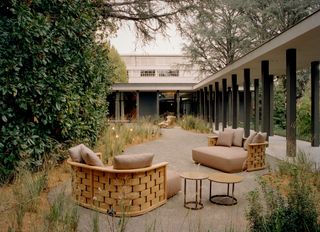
24,204
196,124
117,136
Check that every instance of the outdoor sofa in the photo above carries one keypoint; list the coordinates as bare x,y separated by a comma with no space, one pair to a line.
170,121
120,191
230,152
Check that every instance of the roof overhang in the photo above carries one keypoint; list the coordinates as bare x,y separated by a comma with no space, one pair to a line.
144,87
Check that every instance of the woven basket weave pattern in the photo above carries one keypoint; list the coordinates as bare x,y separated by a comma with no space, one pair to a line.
129,193
256,156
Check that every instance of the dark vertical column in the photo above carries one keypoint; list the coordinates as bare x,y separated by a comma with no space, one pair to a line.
216,110
210,106
229,113
117,106
201,103
265,124
271,84
137,105
178,104
193,104
256,105
198,103
315,70
224,103
234,101
205,105
247,102
291,62
122,116
158,105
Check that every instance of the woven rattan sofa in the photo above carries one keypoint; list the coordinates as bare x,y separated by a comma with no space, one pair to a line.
130,192
231,159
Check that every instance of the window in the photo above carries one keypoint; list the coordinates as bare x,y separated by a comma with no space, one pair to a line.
168,73
148,73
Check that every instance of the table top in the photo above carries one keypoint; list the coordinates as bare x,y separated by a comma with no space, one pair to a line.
194,175
225,178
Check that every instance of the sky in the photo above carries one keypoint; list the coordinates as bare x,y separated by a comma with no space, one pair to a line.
126,43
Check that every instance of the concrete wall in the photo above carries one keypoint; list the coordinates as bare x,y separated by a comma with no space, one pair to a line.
147,104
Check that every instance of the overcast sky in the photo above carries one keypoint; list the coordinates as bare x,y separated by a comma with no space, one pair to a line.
126,43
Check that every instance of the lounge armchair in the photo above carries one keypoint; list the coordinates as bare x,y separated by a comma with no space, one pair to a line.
170,121
130,192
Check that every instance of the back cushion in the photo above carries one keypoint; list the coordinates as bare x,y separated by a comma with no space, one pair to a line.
237,136
249,140
75,153
133,161
225,138
90,157
259,138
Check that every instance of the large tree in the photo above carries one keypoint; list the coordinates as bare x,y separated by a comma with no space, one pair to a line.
216,35
220,32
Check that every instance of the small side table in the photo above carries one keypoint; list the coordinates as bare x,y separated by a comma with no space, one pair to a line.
197,177
212,140
224,178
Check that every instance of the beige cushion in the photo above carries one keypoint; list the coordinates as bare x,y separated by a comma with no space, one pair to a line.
225,139
90,157
259,138
133,161
237,136
249,140
173,183
222,158
75,153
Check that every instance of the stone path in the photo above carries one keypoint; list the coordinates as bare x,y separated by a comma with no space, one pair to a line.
175,146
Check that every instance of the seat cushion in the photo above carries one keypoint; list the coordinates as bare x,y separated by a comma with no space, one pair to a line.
133,161
227,159
173,183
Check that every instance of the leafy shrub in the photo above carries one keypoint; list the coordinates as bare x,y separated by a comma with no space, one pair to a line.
286,209
189,122
304,116
54,78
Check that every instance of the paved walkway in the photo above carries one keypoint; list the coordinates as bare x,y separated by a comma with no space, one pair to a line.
175,146
277,148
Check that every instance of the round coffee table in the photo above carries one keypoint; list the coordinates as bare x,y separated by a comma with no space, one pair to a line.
197,177
224,178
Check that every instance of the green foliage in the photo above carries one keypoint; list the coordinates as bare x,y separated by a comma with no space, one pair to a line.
279,114
189,122
286,209
304,116
53,75
118,65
